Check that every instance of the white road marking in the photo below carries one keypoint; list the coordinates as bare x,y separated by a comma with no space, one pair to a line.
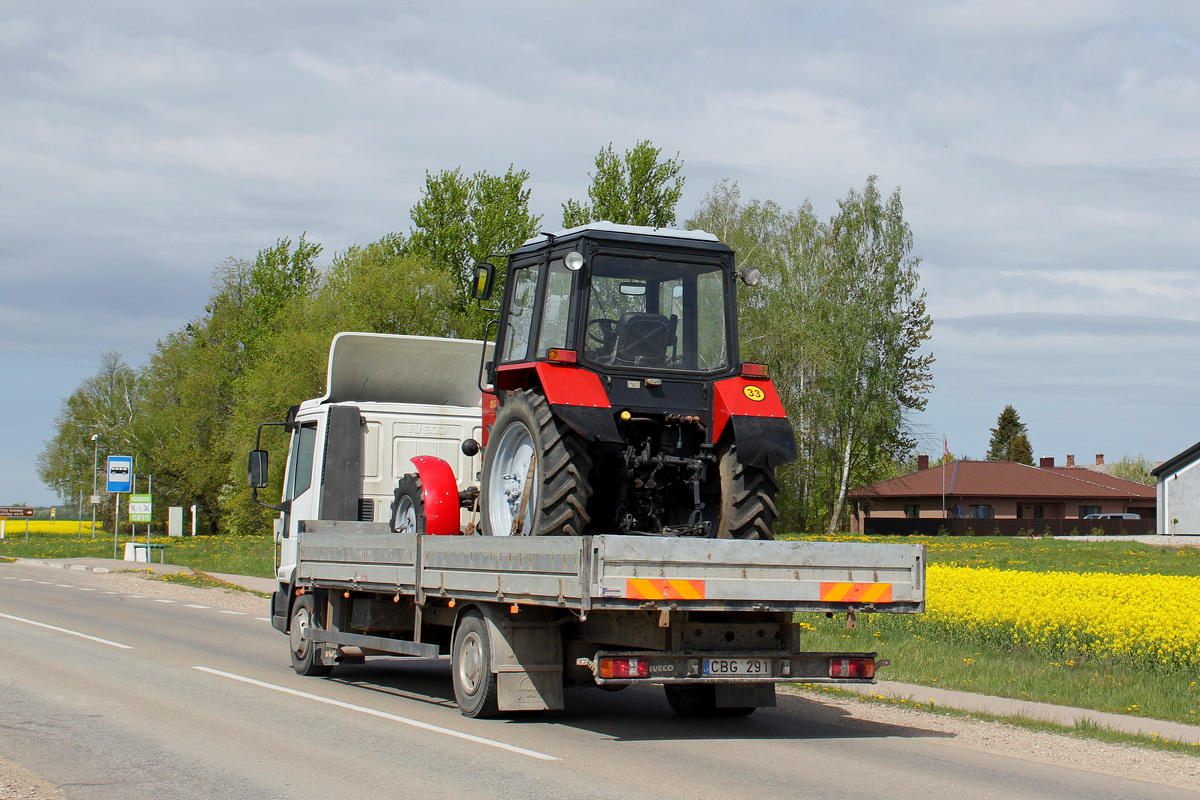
64,630
190,605
44,583
235,613
84,589
384,715
162,600
262,619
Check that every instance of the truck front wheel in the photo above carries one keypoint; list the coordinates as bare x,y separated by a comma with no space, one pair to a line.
306,654
535,472
471,663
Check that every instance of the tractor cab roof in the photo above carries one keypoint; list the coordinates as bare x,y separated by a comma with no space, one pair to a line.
626,235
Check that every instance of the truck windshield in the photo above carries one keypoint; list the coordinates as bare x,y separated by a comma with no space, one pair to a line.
656,314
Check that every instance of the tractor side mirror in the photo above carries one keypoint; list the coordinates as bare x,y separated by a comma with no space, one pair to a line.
485,277
256,470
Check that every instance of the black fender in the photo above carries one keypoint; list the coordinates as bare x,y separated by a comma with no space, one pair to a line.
764,441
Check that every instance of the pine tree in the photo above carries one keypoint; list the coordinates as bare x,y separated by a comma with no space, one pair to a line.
1019,450
1008,428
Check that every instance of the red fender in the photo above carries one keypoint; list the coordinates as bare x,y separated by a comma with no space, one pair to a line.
440,491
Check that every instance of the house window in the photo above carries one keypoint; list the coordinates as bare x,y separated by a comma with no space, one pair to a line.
983,512
1085,510
1038,512
912,511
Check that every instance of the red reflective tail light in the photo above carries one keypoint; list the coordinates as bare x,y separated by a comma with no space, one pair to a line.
852,668
755,371
624,668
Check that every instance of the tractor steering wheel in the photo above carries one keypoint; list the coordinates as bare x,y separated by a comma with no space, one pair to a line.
605,330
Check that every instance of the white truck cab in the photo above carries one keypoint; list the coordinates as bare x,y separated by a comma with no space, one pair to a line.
389,398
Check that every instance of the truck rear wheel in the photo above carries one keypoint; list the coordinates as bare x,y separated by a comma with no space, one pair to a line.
747,505
471,663
535,472
700,700
306,654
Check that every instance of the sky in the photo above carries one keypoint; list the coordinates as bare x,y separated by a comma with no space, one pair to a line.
1047,154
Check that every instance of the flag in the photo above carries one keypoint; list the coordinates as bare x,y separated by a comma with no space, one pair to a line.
946,448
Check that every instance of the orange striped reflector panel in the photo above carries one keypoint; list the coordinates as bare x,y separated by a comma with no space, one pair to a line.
661,589
856,592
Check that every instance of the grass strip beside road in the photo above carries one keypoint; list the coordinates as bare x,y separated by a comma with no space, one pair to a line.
225,553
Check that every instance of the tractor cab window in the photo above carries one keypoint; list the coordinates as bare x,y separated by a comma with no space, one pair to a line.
651,313
520,313
556,310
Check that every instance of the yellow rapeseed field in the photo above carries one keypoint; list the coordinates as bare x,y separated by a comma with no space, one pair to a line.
60,526
1146,619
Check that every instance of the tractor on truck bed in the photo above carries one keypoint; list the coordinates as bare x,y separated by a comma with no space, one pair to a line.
616,401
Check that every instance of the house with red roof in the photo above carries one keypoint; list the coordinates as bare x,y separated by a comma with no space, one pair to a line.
998,490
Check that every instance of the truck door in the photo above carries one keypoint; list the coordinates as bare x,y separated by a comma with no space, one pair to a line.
298,495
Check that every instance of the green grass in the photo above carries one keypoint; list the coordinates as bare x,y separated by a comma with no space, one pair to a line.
235,555
1099,684
1046,555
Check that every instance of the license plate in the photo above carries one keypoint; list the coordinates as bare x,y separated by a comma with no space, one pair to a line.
743,667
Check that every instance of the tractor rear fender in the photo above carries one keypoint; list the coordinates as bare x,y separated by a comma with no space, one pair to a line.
576,396
440,493
760,428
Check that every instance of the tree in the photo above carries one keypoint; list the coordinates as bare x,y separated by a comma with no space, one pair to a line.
1019,450
105,404
841,319
1135,469
636,189
1004,436
461,220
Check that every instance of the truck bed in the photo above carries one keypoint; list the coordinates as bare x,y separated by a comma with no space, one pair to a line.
611,572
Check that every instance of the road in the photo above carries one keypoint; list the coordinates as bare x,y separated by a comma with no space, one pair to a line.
109,692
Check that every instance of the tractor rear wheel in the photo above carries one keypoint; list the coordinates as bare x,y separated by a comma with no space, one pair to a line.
535,472
747,504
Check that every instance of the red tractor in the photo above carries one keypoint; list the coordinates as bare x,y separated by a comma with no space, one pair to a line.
616,401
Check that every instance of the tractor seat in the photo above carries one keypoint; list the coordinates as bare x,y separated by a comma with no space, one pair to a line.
643,339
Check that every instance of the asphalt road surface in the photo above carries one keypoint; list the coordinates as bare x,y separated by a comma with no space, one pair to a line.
109,692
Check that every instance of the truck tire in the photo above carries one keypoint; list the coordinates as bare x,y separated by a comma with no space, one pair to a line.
471,664
700,700
747,504
408,506
306,654
527,437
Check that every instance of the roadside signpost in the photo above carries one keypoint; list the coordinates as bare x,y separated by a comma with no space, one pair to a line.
140,506
120,479
15,512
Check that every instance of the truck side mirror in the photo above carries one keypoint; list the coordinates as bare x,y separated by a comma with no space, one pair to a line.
485,277
256,471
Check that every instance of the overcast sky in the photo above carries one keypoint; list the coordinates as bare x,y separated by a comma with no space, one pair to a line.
1048,155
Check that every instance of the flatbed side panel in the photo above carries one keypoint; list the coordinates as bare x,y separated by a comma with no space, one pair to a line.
539,569
815,574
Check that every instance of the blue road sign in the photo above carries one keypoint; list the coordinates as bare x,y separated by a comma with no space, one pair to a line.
120,473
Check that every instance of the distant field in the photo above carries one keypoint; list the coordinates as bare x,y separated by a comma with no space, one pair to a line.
63,526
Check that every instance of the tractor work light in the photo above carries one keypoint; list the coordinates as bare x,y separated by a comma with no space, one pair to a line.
573,261
857,667
624,667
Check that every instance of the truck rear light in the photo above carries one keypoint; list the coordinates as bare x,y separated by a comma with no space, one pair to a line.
852,668
562,356
624,668
756,371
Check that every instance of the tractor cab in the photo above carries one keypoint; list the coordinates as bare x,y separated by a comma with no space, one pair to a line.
619,298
